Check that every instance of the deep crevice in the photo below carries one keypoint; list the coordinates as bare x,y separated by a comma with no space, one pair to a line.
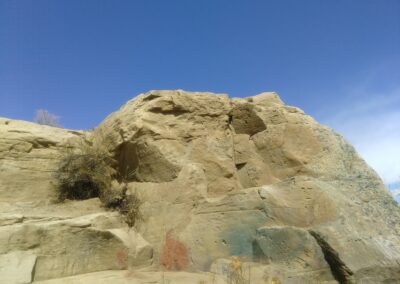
240,165
339,269
33,272
151,97
127,161
230,119
43,143
175,111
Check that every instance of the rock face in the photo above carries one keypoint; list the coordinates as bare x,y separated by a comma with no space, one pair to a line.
232,190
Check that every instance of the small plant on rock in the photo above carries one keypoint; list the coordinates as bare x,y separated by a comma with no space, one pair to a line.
130,209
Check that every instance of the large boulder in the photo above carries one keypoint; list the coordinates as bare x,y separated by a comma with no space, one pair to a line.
155,135
212,171
230,190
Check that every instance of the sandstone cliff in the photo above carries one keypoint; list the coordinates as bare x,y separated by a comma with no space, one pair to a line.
233,191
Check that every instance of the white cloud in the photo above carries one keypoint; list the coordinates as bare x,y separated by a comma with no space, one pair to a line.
395,190
372,125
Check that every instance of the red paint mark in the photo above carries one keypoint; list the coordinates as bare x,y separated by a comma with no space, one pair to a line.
122,259
174,254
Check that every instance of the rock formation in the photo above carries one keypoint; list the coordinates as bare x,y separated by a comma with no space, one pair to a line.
232,190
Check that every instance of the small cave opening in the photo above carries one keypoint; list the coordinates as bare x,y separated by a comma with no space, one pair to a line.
127,161
239,166
245,120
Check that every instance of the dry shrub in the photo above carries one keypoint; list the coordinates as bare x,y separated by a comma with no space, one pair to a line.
87,172
130,209
46,118
83,173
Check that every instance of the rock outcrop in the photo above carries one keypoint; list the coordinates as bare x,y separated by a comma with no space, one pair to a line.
246,190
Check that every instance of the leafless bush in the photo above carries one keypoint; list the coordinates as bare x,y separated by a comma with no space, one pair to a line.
85,172
130,209
45,118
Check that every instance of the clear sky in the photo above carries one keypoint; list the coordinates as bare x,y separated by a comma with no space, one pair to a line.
339,60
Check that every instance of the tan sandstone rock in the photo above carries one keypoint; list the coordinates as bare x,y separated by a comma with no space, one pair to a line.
29,154
17,267
247,189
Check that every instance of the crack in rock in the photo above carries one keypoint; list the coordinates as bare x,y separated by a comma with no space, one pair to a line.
340,271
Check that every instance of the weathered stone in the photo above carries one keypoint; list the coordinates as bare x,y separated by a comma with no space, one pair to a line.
138,277
70,246
247,184
251,272
17,267
290,246
157,133
299,201
245,120
29,155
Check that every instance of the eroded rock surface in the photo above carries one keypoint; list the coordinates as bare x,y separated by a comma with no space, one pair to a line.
247,189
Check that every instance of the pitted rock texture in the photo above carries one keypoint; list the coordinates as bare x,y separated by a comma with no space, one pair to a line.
232,189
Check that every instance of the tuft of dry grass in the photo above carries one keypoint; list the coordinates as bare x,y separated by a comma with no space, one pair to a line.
236,275
275,280
237,272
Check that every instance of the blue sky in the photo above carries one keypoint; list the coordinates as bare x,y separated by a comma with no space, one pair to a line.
338,60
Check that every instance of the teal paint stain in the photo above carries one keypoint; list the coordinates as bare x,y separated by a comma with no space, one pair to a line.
239,238
239,242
